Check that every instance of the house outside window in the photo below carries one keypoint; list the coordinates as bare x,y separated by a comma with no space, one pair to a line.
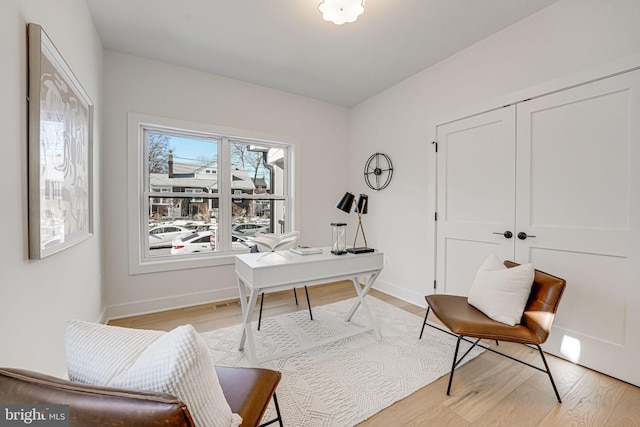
211,187
159,201
194,191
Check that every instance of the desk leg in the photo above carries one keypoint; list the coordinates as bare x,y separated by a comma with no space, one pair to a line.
243,304
362,292
247,314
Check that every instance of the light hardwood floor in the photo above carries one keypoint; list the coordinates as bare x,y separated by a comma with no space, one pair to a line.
488,391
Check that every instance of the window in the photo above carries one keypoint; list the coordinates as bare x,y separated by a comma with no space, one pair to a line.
194,191
160,200
210,188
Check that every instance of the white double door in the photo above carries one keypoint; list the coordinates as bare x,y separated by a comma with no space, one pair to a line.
555,181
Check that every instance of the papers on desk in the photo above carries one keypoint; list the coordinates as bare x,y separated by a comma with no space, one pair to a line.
305,250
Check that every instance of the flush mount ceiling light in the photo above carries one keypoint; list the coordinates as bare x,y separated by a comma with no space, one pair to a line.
341,11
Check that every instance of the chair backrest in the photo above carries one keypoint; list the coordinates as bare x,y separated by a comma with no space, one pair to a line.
93,405
542,305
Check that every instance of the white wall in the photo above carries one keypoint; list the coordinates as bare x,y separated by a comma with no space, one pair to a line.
134,84
38,296
565,38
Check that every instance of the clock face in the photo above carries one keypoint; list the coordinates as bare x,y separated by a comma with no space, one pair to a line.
378,171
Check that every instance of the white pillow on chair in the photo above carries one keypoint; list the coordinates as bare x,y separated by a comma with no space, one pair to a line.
176,362
501,293
97,353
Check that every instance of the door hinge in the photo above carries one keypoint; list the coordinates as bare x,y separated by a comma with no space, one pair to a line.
434,285
435,216
435,145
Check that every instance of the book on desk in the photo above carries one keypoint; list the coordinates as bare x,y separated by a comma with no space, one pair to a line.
305,250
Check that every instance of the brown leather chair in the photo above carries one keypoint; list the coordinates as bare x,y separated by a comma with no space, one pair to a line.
247,390
464,320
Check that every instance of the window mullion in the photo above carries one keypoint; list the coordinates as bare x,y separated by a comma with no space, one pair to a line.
224,190
143,236
288,183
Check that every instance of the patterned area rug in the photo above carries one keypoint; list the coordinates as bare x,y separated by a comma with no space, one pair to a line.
345,382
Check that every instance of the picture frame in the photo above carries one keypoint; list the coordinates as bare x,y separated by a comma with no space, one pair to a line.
60,139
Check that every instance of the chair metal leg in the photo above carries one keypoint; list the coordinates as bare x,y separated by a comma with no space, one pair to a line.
425,322
457,361
275,402
260,315
308,303
296,297
473,345
544,360
306,291
453,364
278,416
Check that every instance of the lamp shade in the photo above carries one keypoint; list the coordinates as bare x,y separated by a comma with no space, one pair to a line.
346,202
363,204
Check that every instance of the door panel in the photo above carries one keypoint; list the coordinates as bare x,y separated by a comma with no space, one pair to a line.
579,152
591,280
574,189
476,187
573,167
468,256
576,151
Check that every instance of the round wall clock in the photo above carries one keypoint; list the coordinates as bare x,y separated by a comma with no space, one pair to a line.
378,171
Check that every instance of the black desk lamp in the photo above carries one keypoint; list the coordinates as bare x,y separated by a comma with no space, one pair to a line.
361,208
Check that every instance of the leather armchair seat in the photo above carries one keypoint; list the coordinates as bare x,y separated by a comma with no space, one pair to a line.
247,390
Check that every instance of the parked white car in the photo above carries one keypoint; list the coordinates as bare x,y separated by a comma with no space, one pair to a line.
243,230
161,236
204,241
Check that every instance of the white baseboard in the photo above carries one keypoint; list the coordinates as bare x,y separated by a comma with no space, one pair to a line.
168,303
103,316
138,308
401,293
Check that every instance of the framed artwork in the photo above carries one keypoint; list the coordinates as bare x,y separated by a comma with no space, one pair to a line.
60,151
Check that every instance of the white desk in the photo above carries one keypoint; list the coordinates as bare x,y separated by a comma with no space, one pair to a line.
275,271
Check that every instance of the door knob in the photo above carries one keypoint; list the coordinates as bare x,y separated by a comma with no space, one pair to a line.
522,235
507,234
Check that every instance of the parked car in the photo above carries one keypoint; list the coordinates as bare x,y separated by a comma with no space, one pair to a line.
242,230
240,245
203,241
162,235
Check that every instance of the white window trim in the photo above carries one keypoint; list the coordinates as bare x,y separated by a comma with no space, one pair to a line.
138,264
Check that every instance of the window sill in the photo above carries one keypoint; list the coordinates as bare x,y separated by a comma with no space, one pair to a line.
180,263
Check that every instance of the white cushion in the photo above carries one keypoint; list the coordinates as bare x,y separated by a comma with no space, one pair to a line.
97,353
501,293
176,362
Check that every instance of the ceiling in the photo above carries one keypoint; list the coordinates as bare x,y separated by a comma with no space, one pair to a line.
286,45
